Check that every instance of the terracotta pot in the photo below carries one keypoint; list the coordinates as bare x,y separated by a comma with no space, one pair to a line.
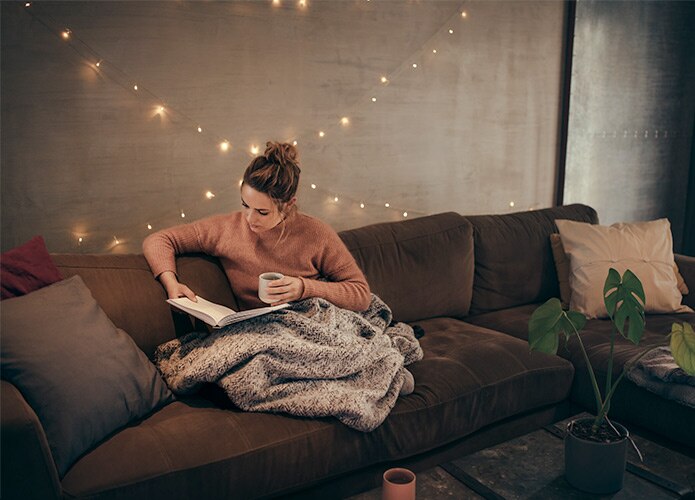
398,484
593,467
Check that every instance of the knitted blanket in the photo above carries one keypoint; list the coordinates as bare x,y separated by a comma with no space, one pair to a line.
312,359
658,372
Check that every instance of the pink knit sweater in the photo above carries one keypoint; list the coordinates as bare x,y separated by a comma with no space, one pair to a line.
309,249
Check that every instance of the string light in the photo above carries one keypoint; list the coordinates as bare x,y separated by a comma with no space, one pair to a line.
345,121
302,3
373,99
200,129
387,205
116,240
160,109
149,226
313,186
209,195
511,203
451,32
335,199
361,205
414,65
28,4
98,64
434,51
405,214
135,87
294,143
384,80
79,240
183,215
322,133
276,2
66,33
254,149
463,14
224,146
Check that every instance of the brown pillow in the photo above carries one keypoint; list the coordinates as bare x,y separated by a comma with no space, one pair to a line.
562,265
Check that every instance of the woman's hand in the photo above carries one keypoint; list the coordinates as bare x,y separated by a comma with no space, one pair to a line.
175,289
286,289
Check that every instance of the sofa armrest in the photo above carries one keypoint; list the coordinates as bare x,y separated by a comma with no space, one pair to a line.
686,266
27,466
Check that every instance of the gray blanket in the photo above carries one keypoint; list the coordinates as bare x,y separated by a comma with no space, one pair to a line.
657,372
312,359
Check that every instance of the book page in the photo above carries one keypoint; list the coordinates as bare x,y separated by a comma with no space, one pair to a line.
215,312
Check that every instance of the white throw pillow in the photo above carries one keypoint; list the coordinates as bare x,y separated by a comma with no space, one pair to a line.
646,248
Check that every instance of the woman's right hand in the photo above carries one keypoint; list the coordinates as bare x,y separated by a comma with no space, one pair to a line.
175,289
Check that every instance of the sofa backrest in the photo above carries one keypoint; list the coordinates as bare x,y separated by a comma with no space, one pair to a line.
125,289
421,268
513,259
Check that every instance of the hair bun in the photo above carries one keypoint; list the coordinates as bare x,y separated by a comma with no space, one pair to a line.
281,153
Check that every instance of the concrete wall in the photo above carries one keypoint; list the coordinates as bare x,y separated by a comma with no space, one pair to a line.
472,129
631,112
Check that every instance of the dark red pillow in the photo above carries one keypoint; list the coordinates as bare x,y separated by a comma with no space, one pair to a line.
27,268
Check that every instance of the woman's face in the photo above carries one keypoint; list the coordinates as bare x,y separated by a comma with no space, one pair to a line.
260,212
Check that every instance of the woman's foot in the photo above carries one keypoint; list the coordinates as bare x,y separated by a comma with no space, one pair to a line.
408,383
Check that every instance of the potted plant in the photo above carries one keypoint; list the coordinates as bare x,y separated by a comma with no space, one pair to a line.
596,448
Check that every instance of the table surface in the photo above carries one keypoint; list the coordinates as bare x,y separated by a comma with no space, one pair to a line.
532,467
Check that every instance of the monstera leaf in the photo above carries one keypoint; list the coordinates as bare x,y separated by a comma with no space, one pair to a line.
683,346
548,322
624,300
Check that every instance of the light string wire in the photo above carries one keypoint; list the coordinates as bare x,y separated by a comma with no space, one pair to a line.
105,69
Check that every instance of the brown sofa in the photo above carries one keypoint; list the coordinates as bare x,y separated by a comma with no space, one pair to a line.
469,282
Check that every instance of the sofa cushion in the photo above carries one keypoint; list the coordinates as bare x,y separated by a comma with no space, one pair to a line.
191,449
26,268
421,268
643,247
83,377
513,260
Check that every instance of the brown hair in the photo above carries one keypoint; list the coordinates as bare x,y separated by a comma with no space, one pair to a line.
275,172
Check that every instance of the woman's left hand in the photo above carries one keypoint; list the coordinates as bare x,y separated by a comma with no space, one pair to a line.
286,289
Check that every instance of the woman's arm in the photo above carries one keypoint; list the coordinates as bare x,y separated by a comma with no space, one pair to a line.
160,250
346,286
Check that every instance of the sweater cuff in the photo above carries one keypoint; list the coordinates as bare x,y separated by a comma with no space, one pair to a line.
308,288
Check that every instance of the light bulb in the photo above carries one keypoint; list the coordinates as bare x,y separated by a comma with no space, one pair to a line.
79,240
511,203
254,149
405,214
322,133
335,199
434,51
183,215
414,65
28,4
313,186
160,109
276,2
361,205
387,205
294,143
345,121
116,240
135,87
149,226
200,129
66,33
98,64
384,80
373,99
224,145
451,32
463,14
209,195
302,3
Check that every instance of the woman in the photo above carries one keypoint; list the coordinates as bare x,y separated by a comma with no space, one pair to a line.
267,235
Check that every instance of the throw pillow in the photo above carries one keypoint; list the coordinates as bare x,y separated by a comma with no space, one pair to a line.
26,268
83,377
646,248
562,265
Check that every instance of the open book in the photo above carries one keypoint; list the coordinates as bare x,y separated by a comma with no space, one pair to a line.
217,315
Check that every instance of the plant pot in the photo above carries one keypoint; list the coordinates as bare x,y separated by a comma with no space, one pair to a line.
595,467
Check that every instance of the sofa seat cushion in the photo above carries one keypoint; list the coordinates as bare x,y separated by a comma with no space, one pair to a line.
631,404
194,449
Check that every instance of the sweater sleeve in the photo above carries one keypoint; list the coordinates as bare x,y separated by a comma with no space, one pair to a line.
161,248
346,286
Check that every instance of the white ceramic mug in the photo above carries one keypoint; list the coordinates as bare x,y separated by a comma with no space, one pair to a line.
398,484
263,281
